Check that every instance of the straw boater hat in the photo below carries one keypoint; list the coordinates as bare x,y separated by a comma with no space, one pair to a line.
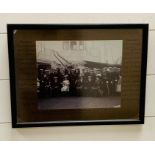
98,75
47,70
65,75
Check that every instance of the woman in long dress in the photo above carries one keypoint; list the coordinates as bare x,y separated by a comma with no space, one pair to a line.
65,85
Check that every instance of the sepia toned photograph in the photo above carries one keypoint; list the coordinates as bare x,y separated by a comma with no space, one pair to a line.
74,74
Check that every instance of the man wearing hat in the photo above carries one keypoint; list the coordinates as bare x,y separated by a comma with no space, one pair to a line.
55,86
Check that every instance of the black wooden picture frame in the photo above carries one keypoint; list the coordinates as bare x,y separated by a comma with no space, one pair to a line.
22,40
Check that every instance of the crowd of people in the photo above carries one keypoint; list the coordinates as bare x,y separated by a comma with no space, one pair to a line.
74,81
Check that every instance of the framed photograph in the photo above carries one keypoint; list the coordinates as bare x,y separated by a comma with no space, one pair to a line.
77,74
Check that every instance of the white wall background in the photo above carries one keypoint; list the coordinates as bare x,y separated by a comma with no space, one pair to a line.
112,132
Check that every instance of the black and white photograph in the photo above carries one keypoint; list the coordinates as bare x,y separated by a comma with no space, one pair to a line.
79,74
